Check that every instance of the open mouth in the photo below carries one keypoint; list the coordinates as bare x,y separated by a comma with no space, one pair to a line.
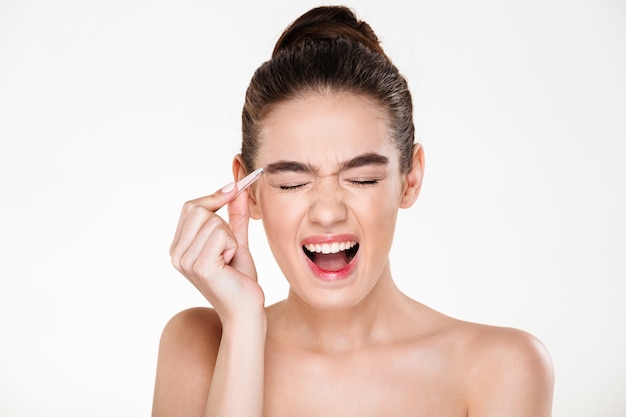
331,257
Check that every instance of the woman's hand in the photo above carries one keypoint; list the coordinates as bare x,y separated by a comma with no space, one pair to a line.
208,365
214,255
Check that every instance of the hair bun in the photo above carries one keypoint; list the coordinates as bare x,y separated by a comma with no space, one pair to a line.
326,23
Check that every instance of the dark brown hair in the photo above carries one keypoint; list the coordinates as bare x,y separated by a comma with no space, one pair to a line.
328,49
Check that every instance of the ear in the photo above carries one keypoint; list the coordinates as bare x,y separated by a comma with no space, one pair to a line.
239,172
413,179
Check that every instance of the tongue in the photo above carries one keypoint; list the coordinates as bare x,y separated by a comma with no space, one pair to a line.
331,261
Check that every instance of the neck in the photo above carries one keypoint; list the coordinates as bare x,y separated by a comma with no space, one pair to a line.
373,320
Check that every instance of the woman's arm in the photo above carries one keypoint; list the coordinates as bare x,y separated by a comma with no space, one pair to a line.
204,371
211,361
237,384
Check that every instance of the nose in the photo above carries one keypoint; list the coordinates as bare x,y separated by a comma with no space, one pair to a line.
328,208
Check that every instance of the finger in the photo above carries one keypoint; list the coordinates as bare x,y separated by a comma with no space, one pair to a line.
205,253
211,202
189,226
196,230
239,218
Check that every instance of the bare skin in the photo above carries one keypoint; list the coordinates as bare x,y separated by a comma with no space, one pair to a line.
354,346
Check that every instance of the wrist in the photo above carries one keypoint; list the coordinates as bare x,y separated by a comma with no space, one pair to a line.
253,322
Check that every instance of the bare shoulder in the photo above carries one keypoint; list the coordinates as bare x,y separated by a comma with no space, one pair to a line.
193,326
501,350
187,355
507,372
496,371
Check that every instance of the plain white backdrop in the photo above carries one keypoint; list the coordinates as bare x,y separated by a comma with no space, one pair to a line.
113,113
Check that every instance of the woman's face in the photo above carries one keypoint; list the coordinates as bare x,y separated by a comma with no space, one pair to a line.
329,195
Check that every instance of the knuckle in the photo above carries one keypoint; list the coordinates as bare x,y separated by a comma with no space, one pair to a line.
188,205
205,203
200,268
187,263
213,220
194,210
223,233
175,258
177,264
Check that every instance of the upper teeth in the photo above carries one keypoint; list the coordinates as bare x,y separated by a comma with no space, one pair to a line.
329,247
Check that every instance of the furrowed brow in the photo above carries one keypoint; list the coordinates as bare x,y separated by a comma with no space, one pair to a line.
295,166
288,166
365,159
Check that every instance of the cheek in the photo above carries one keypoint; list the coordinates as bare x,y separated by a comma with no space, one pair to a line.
280,216
378,219
378,212
381,203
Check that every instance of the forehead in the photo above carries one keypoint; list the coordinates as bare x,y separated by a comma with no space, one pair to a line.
324,128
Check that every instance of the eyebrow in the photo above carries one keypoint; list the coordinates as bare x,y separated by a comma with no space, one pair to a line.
363,160
288,166
356,162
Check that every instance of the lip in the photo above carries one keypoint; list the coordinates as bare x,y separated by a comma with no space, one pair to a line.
325,275
328,239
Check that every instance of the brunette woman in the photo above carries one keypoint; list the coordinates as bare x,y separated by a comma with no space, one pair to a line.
329,118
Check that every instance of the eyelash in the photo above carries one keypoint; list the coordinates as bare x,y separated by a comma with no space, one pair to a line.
364,183
358,183
290,187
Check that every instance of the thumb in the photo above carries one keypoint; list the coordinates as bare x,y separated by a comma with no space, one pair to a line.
239,218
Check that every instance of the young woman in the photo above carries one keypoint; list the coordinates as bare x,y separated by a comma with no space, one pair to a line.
329,118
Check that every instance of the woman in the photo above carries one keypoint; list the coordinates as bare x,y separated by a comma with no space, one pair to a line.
329,118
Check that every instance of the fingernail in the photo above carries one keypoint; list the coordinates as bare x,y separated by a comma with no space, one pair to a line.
228,188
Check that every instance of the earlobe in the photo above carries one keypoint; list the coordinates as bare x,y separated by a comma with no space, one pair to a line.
253,207
239,171
413,179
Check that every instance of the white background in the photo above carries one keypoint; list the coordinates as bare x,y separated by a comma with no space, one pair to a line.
113,113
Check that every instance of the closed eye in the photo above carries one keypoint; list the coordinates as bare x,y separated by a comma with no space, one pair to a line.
290,187
365,183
